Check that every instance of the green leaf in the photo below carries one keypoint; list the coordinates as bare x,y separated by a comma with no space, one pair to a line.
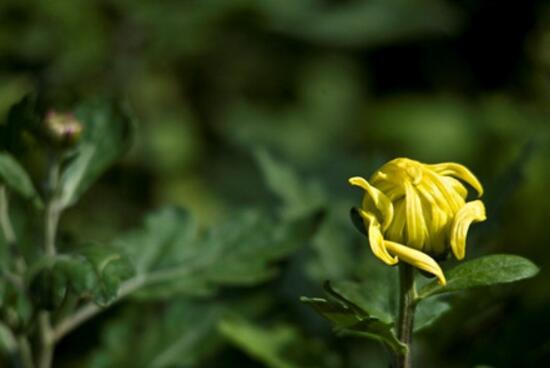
48,287
174,257
96,272
14,176
483,271
106,136
370,296
299,196
349,318
178,334
110,268
265,346
428,312
361,24
278,346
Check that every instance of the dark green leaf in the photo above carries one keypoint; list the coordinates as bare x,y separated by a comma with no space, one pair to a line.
178,334
95,273
370,296
14,176
278,346
339,314
106,136
110,268
483,271
173,257
299,196
428,311
349,318
48,288
361,23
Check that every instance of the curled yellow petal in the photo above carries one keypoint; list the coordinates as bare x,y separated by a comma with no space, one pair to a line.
376,198
416,226
444,193
397,227
460,172
471,212
376,240
456,185
416,259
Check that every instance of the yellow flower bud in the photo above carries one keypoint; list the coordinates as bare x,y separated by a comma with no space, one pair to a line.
414,211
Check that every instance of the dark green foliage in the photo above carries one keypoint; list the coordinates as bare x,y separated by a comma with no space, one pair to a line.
251,115
484,271
173,257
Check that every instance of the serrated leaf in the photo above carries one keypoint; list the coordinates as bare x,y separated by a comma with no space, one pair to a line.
14,176
111,269
483,271
338,314
178,334
349,318
106,136
371,296
95,273
175,258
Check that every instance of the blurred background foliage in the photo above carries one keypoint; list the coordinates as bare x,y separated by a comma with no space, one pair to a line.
270,105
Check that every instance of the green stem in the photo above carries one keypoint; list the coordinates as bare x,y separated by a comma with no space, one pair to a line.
53,211
23,346
25,351
51,221
407,305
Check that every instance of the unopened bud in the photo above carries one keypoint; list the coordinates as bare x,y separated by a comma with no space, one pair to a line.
63,129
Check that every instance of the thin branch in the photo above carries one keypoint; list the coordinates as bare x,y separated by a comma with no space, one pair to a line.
90,310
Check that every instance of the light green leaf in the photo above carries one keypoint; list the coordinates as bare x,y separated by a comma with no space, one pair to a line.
106,136
14,176
8,342
483,271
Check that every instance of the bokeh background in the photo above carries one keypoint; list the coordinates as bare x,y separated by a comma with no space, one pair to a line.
327,89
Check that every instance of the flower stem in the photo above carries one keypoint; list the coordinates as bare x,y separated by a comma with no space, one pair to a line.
407,305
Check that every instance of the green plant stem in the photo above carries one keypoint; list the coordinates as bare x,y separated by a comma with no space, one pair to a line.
11,240
407,305
51,220
46,340
90,310
25,351
53,211
23,346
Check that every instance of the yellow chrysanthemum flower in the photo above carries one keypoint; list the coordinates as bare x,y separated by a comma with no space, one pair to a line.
414,211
